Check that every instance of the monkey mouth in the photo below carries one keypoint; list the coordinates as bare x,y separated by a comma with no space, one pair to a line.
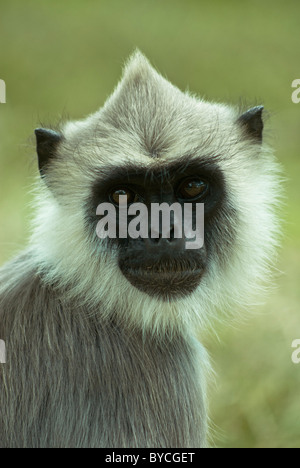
167,280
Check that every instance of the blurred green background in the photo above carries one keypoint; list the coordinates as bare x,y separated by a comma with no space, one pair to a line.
64,58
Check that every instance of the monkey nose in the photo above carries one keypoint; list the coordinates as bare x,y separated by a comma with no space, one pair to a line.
157,243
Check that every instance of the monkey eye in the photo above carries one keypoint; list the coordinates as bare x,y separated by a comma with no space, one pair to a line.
130,195
192,188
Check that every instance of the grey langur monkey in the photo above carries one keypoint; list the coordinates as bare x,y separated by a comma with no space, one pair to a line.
100,334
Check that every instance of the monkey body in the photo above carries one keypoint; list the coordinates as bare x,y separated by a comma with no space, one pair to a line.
91,384
100,332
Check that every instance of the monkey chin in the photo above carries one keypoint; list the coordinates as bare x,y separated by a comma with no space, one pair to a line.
163,283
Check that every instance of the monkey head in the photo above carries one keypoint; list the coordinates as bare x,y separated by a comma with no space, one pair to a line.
152,144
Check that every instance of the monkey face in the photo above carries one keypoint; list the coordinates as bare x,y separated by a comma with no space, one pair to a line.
163,265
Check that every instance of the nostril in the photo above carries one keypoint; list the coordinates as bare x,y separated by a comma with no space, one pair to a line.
171,237
166,238
163,244
155,237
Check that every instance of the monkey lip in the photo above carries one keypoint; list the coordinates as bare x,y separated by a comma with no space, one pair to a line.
161,273
164,283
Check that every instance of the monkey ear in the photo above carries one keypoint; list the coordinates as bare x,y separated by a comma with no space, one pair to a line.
252,122
46,144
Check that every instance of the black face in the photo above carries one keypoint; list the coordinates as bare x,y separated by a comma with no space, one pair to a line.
159,266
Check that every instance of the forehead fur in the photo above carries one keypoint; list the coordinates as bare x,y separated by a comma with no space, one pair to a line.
147,117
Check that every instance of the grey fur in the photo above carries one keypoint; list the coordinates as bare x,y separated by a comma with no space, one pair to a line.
91,360
75,381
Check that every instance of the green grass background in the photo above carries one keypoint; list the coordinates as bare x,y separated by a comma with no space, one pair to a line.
64,58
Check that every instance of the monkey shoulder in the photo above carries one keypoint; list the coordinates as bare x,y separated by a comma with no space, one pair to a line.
22,291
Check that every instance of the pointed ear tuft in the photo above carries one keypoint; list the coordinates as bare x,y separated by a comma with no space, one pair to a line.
252,122
46,144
